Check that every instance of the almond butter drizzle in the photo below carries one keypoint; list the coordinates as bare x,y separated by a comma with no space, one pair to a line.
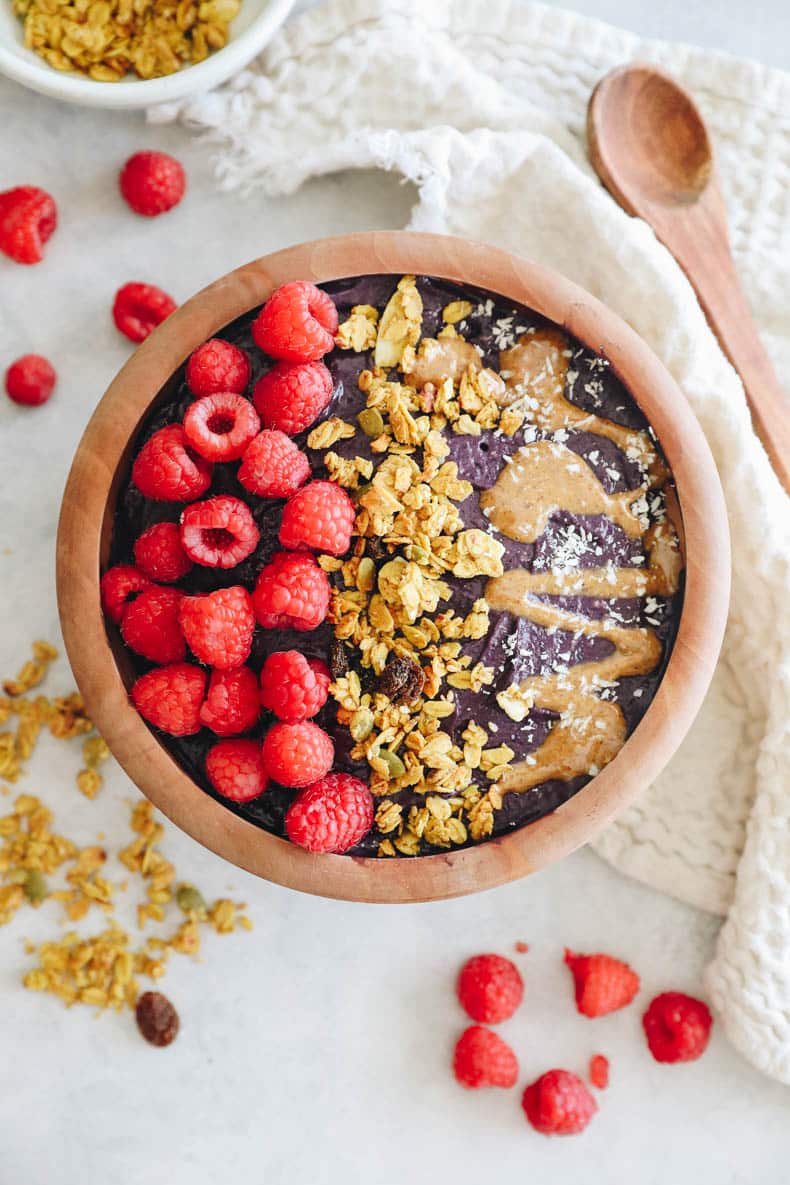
441,358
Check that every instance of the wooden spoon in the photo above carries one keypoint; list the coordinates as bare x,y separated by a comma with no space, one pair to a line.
648,143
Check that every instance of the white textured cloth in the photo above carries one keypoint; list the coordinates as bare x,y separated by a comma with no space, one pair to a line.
482,104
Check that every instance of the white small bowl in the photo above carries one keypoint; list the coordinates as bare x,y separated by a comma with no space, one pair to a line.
252,28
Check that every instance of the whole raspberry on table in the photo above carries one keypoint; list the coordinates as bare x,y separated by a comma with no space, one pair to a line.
489,988
236,770
599,1071
28,216
233,702
139,308
298,323
292,592
330,815
273,466
159,555
291,396
152,183
219,533
603,984
170,698
119,586
320,516
167,469
30,380
292,686
221,426
677,1027
150,625
216,366
297,754
558,1104
218,626
482,1058
157,1019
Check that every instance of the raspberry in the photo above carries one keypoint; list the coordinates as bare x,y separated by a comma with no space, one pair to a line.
332,814
291,395
139,308
489,988
150,625
219,626
119,585
219,533
603,984
30,380
152,183
297,323
170,698
28,216
677,1027
482,1058
273,466
236,770
233,702
558,1104
292,592
297,754
159,555
167,469
217,366
220,426
292,686
319,516
599,1071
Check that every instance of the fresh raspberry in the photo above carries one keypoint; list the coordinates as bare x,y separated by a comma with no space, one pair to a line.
150,625
489,988
599,1071
297,754
220,426
167,469
292,686
139,308
292,592
233,703
236,771
219,533
30,380
219,626
159,555
216,366
558,1104
170,698
298,323
28,216
332,814
273,466
603,984
482,1058
292,395
319,516
119,585
677,1027
152,183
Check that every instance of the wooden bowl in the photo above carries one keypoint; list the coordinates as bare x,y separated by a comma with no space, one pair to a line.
102,668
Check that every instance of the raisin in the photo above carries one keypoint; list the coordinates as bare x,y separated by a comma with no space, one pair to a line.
376,548
338,659
401,679
157,1019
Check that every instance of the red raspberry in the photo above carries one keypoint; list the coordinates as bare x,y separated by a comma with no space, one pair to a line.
677,1027
273,466
490,988
219,626
236,771
233,703
139,308
219,533
558,1104
319,516
298,323
170,698
217,366
152,183
292,686
159,555
168,470
30,380
220,426
119,585
332,814
603,984
150,625
599,1071
292,395
482,1058
28,216
297,754
292,592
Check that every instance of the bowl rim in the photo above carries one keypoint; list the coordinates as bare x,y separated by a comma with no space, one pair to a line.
84,535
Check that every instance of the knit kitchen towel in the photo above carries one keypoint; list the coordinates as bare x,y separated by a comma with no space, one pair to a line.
482,106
